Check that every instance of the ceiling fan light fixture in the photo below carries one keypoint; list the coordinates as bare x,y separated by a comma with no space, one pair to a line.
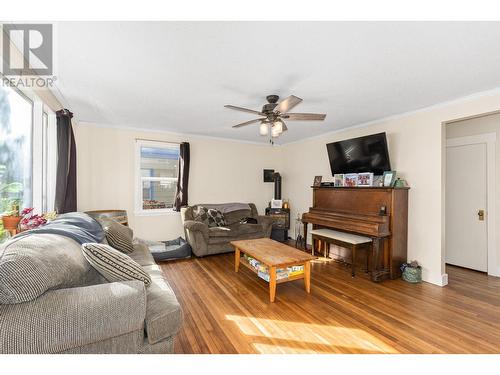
273,113
278,125
277,128
264,128
276,131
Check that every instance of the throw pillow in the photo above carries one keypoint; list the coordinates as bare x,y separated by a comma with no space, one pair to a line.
118,236
216,218
114,265
200,213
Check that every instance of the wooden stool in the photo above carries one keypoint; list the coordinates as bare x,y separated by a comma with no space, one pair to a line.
325,237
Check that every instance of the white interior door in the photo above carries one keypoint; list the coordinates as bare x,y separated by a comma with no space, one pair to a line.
466,198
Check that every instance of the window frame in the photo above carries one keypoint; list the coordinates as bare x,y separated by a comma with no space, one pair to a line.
43,174
48,159
138,204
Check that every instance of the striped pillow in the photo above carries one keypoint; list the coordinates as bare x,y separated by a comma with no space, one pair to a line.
118,236
114,265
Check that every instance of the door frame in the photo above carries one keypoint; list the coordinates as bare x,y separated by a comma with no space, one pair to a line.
489,139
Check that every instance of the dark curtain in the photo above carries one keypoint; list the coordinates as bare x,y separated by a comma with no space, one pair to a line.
66,164
181,195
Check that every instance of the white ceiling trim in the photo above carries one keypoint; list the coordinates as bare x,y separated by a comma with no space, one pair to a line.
475,96
173,134
433,107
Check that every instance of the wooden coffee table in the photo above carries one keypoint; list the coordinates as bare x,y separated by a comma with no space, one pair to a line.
274,255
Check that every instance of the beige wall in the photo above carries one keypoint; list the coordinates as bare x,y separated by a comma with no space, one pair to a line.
416,150
106,172
221,171
476,126
414,145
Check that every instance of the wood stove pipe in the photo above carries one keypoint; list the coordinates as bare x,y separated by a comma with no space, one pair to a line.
277,186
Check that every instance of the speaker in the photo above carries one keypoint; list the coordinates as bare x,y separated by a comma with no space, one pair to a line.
268,175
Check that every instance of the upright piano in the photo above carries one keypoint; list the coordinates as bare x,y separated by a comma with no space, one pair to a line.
380,213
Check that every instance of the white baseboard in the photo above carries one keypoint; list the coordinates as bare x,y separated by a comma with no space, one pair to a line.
444,279
439,280
494,272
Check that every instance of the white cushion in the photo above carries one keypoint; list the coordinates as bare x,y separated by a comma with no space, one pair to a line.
341,236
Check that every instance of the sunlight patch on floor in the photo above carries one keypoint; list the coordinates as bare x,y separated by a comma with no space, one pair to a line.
281,349
322,259
294,337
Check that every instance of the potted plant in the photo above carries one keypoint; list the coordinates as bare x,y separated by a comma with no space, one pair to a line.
9,203
412,272
11,219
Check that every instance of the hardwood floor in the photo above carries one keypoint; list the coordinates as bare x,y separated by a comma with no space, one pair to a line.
228,312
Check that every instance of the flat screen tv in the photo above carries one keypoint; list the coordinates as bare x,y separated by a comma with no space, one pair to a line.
357,155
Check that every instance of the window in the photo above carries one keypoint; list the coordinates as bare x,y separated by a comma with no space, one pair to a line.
28,152
16,145
157,165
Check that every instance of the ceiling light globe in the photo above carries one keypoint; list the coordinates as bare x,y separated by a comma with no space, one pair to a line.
278,125
275,132
264,129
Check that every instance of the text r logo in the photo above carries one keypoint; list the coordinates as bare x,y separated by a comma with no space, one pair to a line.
34,41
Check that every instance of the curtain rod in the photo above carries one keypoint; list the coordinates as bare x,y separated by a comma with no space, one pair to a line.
156,140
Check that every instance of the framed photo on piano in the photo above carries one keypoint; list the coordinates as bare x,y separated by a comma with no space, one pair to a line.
389,178
365,179
317,181
338,180
350,179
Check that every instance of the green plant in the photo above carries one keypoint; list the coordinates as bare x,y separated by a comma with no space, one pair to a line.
11,190
8,205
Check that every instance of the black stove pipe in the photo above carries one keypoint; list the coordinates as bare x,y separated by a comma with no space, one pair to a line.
277,186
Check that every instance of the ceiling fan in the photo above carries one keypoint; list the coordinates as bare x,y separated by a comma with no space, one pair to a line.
273,114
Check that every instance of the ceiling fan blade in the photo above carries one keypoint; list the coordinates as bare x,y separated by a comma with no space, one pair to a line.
244,109
249,122
287,104
305,116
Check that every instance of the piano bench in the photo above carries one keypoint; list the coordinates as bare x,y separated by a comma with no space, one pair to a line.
326,237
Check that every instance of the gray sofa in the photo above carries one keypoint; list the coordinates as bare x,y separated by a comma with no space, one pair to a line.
81,312
206,240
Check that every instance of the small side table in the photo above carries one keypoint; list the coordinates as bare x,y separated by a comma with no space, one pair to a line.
281,223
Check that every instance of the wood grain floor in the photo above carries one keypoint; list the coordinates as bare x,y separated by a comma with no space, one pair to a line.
228,312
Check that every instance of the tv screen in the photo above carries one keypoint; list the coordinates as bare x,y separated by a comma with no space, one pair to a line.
357,155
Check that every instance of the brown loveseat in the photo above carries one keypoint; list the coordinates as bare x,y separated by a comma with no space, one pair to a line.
206,240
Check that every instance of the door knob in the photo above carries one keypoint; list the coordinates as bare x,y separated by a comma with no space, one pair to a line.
480,215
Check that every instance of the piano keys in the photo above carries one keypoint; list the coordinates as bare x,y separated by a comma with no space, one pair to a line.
379,213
